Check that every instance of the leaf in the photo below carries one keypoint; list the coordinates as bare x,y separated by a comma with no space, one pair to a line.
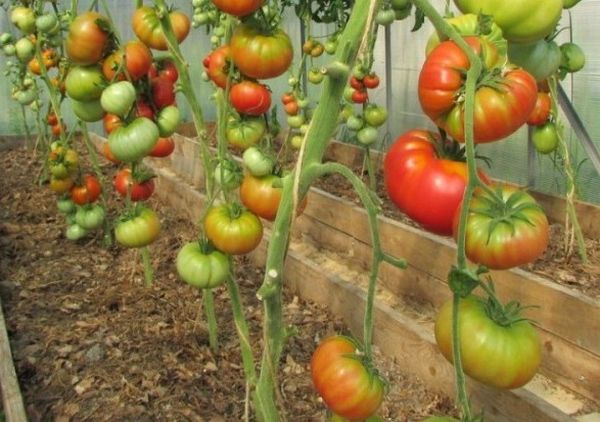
419,20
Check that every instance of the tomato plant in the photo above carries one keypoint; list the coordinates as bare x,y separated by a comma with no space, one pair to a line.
88,38
502,101
202,268
498,350
233,230
139,229
260,54
506,227
140,187
421,183
146,26
250,98
87,192
347,385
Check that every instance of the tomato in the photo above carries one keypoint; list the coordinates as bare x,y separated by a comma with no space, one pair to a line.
87,192
88,39
76,232
573,57
545,138
541,58
497,354
138,59
164,67
58,129
23,18
355,122
110,122
24,49
371,81
65,205
346,385
163,92
63,162
51,118
296,121
259,54
367,135
138,230
250,98
146,26
292,108
259,196
541,111
218,65
505,229
167,121
375,115
60,185
118,98
238,7
232,230
359,96
385,17
228,175
141,188
90,217
245,132
257,163
521,20
163,148
107,153
88,111
134,141
49,58
202,269
85,83
498,111
47,24
143,109
425,186
315,76
466,25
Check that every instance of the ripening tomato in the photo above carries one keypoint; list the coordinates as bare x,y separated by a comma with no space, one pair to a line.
138,59
250,98
164,67
218,66
238,8
107,153
259,54
541,111
502,353
499,110
60,185
428,188
146,26
506,228
233,230
259,196
163,148
51,118
347,386
140,187
110,122
138,230
88,38
87,192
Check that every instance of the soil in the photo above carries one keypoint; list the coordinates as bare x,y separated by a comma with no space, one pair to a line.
91,342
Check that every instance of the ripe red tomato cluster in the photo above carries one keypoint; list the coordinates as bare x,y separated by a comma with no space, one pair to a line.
360,86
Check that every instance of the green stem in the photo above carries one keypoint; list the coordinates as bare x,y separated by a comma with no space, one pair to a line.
463,397
29,140
148,270
211,318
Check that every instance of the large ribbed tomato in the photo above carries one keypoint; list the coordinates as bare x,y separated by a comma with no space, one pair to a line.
146,26
422,184
250,98
88,38
217,65
86,192
233,230
238,7
503,99
139,187
260,54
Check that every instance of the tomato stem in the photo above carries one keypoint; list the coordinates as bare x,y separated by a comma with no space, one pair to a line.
211,319
148,270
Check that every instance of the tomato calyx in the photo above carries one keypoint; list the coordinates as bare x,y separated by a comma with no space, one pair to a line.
463,281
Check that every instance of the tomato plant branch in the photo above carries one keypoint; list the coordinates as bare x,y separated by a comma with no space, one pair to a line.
209,312
148,270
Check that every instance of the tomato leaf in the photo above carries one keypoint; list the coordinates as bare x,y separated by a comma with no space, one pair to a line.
419,20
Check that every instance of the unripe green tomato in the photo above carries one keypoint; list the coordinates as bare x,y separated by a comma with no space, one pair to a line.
292,81
375,115
5,38
23,18
304,129
302,102
367,135
257,163
545,138
9,50
219,31
27,82
25,49
330,46
215,40
197,3
46,23
403,13
296,141
315,76
65,205
573,57
359,72
76,232
201,18
295,121
346,112
385,17
355,122
399,4
228,176
348,92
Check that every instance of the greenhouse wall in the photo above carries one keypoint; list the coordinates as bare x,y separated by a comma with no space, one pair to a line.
406,50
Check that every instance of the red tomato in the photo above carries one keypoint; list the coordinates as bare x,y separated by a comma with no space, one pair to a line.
143,109
238,7
541,111
138,59
258,54
87,41
163,148
356,83
371,81
288,97
147,27
499,111
140,189
250,98
217,66
51,118
348,387
259,196
164,67
163,92
111,122
423,185
57,129
360,97
88,192
292,108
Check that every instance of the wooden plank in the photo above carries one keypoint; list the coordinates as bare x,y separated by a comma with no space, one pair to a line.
12,401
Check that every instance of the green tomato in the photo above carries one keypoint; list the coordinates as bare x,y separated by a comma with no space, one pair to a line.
375,116
88,111
385,17
545,138
118,98
257,163
133,141
403,13
246,132
25,49
9,50
200,269
296,141
228,175
330,46
90,217
139,230
573,57
355,123
85,83
367,135
65,205
27,96
23,18
567,4
167,121
46,23
76,232
541,58
5,38
400,4
295,121
315,76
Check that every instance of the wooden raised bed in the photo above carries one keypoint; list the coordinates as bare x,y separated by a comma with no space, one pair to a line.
571,349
